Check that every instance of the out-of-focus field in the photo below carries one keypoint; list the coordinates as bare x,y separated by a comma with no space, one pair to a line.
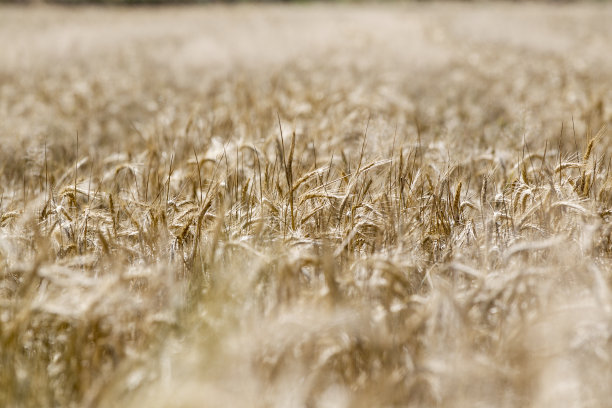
306,206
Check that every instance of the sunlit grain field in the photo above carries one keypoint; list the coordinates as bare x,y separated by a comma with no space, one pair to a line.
306,206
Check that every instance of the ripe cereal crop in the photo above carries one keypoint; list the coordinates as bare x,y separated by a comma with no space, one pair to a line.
306,205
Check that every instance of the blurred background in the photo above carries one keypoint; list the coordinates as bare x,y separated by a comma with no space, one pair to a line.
152,2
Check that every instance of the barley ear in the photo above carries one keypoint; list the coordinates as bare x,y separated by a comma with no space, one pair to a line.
456,201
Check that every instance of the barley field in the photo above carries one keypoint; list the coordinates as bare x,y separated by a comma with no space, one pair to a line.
314,205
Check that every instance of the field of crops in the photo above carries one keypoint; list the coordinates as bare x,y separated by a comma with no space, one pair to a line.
402,205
